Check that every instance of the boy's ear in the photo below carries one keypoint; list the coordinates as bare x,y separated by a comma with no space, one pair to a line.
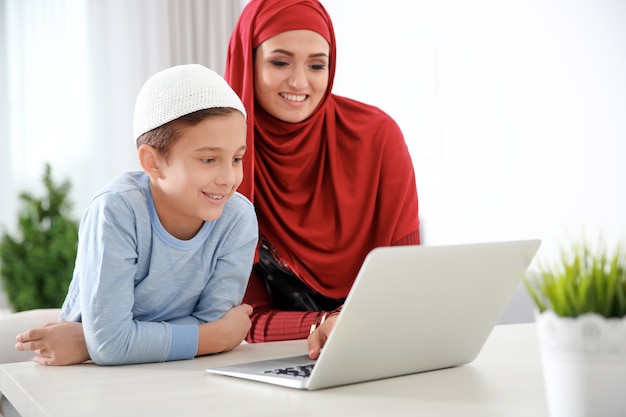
150,160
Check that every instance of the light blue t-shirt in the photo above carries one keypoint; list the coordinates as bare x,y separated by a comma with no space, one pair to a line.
140,292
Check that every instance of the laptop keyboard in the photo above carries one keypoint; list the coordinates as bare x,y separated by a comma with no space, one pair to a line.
302,371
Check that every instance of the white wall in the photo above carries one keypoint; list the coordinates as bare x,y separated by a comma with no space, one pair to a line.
514,115
514,112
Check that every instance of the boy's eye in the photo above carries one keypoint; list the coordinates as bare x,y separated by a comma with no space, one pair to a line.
207,160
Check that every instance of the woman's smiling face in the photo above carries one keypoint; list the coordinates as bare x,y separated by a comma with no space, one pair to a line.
291,74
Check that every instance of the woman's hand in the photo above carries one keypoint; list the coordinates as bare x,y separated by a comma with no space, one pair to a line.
318,338
57,343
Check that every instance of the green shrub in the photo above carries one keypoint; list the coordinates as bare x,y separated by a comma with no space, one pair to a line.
36,266
582,281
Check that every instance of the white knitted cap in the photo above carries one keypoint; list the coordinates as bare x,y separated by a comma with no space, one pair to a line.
180,90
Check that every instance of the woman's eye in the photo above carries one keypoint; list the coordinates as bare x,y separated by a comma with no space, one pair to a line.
207,160
278,63
238,160
318,67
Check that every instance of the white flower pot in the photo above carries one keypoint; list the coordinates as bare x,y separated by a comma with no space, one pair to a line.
584,364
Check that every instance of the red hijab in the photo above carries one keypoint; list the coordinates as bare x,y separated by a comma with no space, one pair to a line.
328,189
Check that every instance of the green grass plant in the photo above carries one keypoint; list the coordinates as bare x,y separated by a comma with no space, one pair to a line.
582,281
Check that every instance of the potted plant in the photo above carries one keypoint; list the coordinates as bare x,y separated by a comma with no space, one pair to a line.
581,320
36,264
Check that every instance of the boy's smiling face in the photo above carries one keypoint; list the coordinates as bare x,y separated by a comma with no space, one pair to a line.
203,169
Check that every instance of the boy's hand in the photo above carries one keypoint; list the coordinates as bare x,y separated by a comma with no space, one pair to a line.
226,333
236,325
57,343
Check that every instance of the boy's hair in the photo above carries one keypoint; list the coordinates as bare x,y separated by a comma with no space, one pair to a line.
171,95
162,138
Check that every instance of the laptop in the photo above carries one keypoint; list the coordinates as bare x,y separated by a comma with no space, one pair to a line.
411,309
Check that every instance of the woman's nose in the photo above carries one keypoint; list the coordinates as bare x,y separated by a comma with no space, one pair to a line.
297,78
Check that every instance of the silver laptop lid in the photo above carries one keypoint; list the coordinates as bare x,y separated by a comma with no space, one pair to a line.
420,308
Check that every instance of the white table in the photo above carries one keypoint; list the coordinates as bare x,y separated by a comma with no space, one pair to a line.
504,381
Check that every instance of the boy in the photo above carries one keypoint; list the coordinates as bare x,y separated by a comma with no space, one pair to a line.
164,254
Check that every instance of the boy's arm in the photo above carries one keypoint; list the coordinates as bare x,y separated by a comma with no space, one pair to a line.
63,342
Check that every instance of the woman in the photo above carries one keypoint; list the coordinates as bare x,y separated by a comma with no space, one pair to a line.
331,178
